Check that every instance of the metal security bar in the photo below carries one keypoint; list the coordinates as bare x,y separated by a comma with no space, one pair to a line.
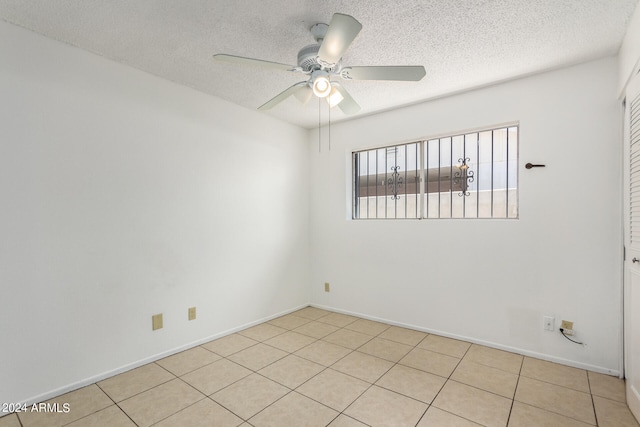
471,175
476,174
386,182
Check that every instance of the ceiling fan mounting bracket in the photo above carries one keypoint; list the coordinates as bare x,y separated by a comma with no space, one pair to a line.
308,56
319,31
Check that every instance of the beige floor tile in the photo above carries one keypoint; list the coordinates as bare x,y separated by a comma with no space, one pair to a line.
290,341
334,389
188,360
486,378
368,327
311,313
258,356
438,418
250,395
230,344
403,335
294,410
80,403
160,402
312,352
10,420
411,382
202,413
262,332
445,345
385,349
291,371
345,421
504,360
429,361
111,416
347,338
613,414
554,398
607,386
523,415
473,404
323,352
130,383
554,373
380,407
338,319
290,321
316,329
216,376
367,368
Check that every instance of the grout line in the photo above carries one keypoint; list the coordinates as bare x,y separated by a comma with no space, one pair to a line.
515,390
140,392
593,403
180,410
345,327
116,403
225,407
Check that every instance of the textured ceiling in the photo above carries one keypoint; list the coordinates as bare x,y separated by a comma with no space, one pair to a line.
461,43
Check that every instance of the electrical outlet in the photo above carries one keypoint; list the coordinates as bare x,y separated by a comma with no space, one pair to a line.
548,323
327,287
156,321
567,325
192,313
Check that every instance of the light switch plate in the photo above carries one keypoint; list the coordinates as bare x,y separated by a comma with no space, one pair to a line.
192,313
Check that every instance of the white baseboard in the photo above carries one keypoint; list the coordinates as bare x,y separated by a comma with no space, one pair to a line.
104,375
547,357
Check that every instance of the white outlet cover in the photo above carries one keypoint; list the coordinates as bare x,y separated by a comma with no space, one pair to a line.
548,323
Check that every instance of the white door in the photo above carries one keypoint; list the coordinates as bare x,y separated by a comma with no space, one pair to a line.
632,244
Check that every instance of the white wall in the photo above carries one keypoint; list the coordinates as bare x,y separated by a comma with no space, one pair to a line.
490,281
629,54
124,195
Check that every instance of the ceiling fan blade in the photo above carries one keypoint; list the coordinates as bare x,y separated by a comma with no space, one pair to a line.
348,105
342,30
283,95
304,95
412,73
251,61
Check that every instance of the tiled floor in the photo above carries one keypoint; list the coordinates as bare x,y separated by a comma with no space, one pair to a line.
318,368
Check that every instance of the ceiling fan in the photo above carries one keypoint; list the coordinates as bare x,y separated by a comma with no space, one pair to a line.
322,61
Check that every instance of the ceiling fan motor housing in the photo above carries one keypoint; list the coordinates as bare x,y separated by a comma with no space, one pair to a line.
308,57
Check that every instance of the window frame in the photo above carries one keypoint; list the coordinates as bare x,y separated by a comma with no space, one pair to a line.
511,175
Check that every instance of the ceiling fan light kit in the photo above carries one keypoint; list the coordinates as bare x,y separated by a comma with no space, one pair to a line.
321,84
335,97
323,60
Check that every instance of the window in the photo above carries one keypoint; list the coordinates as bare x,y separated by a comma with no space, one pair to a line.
470,175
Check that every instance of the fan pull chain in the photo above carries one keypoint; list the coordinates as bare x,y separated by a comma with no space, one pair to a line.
319,130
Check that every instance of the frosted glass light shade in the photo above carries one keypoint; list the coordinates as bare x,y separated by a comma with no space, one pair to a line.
321,85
